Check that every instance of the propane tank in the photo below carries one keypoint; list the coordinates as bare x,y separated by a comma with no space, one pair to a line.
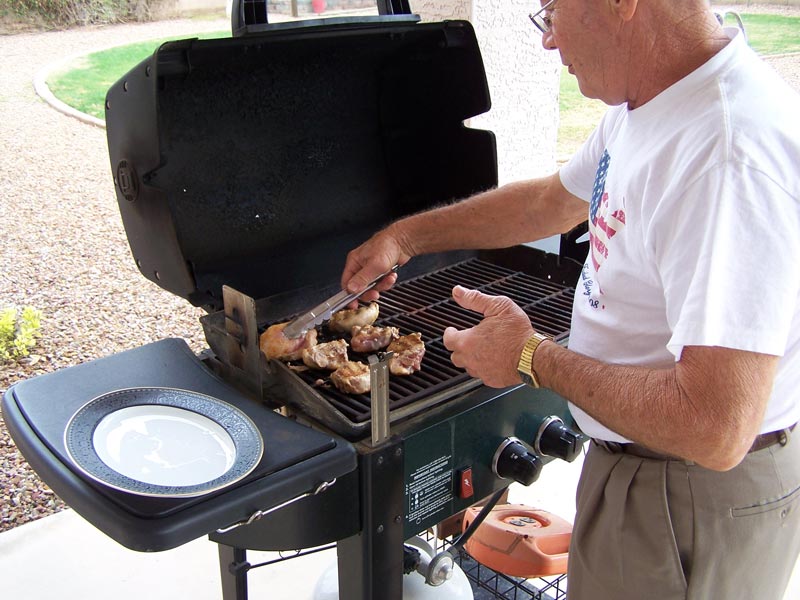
457,587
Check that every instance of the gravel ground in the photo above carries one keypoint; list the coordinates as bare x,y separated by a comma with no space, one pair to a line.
62,246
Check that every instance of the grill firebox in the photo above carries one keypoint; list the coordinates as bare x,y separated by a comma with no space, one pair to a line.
424,304
421,303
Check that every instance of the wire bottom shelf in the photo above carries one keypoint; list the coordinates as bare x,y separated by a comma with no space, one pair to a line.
486,583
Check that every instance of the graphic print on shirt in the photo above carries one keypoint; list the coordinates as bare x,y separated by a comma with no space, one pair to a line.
604,224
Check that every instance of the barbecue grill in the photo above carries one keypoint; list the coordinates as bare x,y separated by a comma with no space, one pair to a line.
245,169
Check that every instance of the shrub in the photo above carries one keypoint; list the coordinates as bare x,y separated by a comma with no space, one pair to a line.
68,13
18,336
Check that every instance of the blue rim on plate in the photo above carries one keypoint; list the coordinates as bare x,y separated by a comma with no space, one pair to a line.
80,444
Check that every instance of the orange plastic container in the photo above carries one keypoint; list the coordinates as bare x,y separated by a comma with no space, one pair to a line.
520,541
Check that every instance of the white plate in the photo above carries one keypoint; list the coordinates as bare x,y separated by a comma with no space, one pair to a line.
163,442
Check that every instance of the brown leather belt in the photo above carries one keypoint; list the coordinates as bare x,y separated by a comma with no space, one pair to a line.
765,440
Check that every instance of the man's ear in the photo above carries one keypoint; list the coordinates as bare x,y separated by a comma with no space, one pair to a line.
625,9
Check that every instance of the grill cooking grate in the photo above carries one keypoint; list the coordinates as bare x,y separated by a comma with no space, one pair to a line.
424,304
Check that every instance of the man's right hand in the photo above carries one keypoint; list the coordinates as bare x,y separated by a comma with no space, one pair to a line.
377,255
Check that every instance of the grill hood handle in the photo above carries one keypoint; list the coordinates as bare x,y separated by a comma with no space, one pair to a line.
251,16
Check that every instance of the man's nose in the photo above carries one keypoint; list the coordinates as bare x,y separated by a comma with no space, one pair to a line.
548,42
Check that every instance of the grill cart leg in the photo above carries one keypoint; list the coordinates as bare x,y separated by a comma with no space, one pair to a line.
233,567
371,562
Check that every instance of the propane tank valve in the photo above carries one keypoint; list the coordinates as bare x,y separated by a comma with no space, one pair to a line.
438,570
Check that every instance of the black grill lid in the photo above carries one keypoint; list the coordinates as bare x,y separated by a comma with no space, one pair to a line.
259,161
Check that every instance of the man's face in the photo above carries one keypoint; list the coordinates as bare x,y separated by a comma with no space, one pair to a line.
586,35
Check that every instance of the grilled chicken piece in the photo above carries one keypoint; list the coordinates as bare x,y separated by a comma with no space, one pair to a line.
352,378
369,338
276,345
328,355
408,352
344,320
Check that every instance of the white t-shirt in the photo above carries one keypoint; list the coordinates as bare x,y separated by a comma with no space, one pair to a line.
694,226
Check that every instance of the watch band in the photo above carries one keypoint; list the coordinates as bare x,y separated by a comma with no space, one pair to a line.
525,364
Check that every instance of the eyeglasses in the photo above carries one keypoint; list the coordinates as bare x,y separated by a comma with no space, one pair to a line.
541,18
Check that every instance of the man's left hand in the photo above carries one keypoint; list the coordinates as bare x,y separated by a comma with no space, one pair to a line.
491,349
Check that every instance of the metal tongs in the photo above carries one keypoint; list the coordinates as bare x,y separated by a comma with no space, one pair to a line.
322,312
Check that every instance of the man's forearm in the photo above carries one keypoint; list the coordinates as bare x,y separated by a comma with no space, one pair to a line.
510,215
629,400
701,414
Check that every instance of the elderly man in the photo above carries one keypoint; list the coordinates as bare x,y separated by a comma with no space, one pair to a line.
684,358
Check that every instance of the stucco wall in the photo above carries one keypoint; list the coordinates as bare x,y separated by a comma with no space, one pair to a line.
523,81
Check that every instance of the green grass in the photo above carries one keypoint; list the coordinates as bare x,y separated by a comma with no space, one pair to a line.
767,34
83,84
578,116
771,34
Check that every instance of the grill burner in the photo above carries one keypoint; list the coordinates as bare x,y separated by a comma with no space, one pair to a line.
425,304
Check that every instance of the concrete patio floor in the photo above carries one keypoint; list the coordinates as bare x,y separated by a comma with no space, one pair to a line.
63,556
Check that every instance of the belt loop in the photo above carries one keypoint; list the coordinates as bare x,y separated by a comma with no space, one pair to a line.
783,436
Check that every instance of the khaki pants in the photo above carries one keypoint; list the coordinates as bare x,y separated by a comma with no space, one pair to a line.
665,530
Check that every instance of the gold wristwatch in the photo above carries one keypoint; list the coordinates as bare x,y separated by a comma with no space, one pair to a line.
525,365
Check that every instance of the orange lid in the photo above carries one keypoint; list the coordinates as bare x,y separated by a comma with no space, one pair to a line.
520,541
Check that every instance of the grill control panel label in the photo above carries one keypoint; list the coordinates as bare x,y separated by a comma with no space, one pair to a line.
429,489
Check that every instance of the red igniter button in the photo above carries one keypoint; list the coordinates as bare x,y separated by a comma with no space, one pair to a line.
465,489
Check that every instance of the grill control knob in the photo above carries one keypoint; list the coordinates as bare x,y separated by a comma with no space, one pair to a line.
512,460
557,440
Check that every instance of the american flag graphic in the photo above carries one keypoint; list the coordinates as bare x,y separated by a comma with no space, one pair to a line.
602,225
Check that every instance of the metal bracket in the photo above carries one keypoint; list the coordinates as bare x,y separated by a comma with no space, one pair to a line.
260,513
239,567
379,396
243,353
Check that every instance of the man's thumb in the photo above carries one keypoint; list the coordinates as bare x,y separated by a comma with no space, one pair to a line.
470,299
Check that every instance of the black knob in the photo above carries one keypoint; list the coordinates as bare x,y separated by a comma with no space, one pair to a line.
513,461
557,440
